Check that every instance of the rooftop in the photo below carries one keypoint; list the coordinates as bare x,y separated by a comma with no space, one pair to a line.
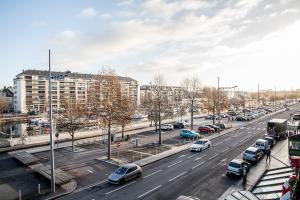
70,74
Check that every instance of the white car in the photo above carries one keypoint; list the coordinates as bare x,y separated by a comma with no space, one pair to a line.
167,127
200,145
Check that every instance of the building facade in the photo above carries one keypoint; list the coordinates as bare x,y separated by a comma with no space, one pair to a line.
31,89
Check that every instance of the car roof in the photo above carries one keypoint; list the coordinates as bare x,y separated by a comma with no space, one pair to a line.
261,140
236,161
253,149
203,139
129,165
269,137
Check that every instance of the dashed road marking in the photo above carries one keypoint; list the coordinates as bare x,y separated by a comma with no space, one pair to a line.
107,193
198,165
213,157
199,157
149,191
175,163
225,149
172,179
182,156
152,173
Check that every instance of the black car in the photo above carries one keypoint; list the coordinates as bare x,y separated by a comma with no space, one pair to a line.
178,125
216,128
241,118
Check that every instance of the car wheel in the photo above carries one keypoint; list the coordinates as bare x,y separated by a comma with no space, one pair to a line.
139,175
122,181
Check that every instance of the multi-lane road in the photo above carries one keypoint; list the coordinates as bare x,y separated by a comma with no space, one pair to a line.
188,173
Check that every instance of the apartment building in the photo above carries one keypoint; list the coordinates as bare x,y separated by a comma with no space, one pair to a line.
31,89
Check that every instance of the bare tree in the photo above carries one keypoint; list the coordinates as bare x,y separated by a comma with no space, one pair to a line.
126,110
104,101
71,119
192,90
3,105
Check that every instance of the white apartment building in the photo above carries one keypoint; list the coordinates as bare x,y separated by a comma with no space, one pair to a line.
31,89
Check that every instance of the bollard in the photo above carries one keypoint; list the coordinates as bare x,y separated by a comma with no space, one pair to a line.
39,188
141,156
20,194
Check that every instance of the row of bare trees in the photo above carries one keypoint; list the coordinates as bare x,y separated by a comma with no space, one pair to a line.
3,105
107,104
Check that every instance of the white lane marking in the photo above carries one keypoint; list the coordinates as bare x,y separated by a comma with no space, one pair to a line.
119,188
175,163
225,149
182,156
254,128
198,165
226,139
190,156
90,171
149,191
199,157
234,145
217,144
223,160
172,179
152,173
215,166
213,156
242,127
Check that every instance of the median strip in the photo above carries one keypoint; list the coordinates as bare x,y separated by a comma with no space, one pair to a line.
149,191
172,179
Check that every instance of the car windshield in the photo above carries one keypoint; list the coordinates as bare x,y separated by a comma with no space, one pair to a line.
250,152
121,170
235,165
199,142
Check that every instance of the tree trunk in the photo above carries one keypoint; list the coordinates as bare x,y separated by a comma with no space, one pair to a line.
73,142
213,117
192,115
159,125
109,141
123,127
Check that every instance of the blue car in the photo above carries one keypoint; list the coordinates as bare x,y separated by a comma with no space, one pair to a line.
185,133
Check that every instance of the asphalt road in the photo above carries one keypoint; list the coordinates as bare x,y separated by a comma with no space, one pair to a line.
187,173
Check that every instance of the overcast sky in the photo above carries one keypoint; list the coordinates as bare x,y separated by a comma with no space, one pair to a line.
245,42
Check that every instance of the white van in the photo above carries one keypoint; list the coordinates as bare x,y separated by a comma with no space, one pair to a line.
262,144
167,127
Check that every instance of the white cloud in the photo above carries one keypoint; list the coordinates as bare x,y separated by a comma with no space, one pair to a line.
289,11
268,6
88,12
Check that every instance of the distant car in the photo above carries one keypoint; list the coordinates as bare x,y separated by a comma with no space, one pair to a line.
271,140
262,144
125,173
205,129
241,118
224,126
201,145
185,133
167,127
237,166
216,128
179,125
252,154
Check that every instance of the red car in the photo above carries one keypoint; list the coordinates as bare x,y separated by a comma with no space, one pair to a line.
205,129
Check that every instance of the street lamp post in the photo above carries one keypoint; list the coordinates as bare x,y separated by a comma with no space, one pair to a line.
51,131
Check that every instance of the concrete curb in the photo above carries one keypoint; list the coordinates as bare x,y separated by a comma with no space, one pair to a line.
71,187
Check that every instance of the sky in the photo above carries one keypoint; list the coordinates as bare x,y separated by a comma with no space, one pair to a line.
244,42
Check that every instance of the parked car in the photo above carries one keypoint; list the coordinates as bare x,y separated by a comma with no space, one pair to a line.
216,128
241,118
224,126
205,129
125,173
237,166
201,145
262,144
185,133
271,140
252,154
167,127
179,125
232,113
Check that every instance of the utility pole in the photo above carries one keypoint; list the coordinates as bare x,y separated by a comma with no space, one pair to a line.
244,104
275,99
258,96
219,102
51,130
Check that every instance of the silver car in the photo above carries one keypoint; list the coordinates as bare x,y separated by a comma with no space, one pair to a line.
125,173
